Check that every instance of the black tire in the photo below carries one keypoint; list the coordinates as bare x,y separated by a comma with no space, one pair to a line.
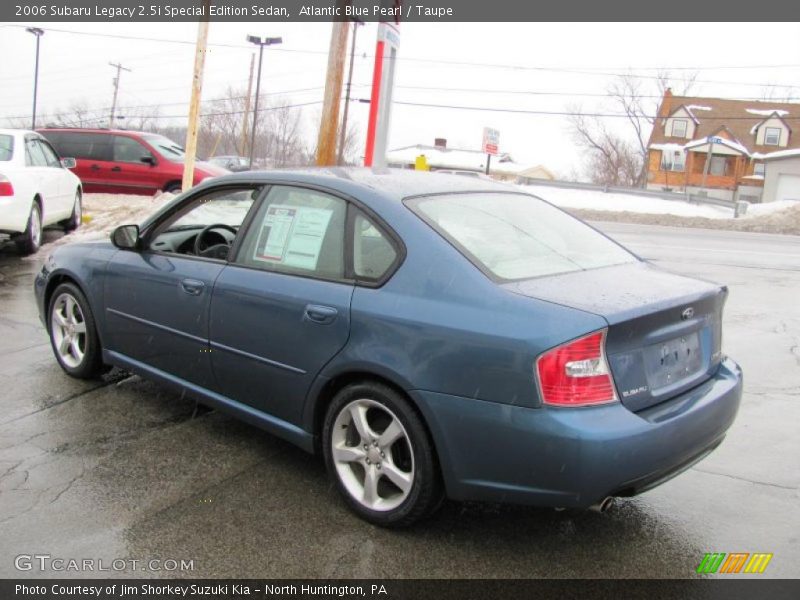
425,492
30,241
74,220
91,364
173,188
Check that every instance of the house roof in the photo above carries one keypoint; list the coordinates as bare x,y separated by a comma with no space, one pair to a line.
739,117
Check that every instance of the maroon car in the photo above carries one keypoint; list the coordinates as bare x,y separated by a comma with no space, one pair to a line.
126,162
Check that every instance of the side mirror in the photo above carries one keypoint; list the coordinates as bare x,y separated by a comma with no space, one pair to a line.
126,237
148,160
68,163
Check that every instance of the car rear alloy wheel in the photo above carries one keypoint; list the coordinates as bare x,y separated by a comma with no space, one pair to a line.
73,334
31,240
378,451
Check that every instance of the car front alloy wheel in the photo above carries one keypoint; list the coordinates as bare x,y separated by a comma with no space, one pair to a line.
73,335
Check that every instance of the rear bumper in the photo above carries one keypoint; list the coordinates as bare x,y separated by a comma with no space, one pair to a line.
14,215
575,457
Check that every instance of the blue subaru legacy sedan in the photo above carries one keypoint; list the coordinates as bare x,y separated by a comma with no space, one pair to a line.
429,335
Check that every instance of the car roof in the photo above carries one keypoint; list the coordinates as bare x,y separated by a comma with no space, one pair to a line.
17,132
132,132
391,183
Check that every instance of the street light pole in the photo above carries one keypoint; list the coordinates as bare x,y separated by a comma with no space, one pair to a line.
260,43
38,33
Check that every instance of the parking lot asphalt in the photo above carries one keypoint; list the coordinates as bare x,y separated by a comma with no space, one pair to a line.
125,469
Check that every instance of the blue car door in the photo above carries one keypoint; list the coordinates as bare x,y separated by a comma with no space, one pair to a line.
157,299
281,309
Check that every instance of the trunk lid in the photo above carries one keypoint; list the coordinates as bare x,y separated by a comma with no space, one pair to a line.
664,330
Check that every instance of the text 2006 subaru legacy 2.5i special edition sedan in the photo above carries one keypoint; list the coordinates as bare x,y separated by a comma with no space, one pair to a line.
429,334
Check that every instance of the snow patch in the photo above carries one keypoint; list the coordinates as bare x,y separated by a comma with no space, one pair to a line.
766,112
598,200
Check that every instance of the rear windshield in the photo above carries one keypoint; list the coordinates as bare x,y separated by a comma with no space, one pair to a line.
6,147
516,236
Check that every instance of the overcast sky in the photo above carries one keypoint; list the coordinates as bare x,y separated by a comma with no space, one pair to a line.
569,62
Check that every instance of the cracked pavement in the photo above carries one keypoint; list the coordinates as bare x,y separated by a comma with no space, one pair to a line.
123,468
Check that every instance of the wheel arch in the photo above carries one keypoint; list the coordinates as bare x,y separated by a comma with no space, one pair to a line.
53,282
326,388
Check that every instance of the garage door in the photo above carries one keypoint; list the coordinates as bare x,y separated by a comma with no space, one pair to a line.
788,187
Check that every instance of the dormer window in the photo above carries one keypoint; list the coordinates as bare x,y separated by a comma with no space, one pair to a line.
772,136
679,128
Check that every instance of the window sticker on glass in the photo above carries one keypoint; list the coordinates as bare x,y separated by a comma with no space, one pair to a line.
292,235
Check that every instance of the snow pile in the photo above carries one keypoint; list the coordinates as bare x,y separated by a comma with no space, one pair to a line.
598,200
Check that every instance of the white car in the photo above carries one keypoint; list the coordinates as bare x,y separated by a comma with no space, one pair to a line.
37,189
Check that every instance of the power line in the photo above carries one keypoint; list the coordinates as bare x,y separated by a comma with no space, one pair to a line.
577,71
556,112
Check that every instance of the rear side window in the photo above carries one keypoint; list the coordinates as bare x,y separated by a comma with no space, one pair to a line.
516,236
6,147
299,231
86,146
373,253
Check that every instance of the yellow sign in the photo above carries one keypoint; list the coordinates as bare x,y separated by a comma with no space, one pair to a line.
421,163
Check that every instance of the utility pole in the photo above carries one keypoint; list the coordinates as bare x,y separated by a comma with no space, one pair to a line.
253,39
194,103
38,33
343,132
326,142
119,68
243,146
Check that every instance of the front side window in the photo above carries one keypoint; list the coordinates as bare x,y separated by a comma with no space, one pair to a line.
129,150
758,169
679,128
373,253
516,236
297,230
50,155
772,136
166,147
215,218
34,155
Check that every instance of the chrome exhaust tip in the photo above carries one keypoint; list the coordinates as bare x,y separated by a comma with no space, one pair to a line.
603,505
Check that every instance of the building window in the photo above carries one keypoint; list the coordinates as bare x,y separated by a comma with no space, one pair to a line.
679,128
719,165
772,136
673,160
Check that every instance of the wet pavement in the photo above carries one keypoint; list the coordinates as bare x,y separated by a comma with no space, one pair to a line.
125,469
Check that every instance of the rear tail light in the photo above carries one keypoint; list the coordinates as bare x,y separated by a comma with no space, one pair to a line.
576,373
6,189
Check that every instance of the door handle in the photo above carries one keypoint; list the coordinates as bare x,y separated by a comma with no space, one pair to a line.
192,286
321,314
95,167
116,169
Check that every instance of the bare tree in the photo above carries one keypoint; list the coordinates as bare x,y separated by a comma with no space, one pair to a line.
778,94
612,160
622,155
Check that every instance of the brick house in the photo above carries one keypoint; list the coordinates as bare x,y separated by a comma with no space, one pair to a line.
718,145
